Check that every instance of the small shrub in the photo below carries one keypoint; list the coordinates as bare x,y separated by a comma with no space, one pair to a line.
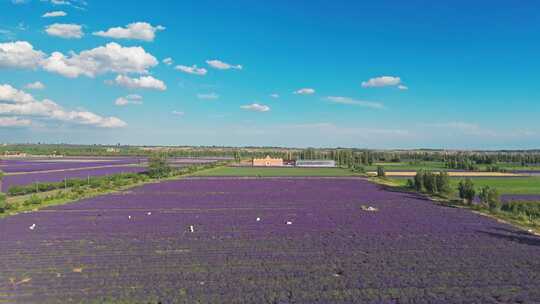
410,184
3,203
33,200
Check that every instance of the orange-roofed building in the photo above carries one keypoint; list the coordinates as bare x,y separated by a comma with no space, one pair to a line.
268,162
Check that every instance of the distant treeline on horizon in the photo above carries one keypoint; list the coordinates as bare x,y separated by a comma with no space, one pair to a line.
343,156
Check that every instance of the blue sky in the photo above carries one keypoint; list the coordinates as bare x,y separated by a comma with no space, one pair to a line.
390,74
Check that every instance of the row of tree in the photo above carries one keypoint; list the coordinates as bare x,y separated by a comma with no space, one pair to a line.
343,156
439,183
430,182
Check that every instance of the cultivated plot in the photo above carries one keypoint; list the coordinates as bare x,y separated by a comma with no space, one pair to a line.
287,240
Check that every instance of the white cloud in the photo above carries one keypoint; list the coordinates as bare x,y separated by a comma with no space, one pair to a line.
12,95
60,2
143,82
168,61
191,70
256,107
402,87
129,99
274,95
17,102
6,122
208,96
304,91
112,58
356,102
66,31
54,14
139,31
19,54
78,4
7,34
220,65
177,113
383,81
19,1
37,85
109,58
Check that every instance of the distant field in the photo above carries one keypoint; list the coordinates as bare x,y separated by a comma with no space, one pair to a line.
427,165
510,185
434,165
268,172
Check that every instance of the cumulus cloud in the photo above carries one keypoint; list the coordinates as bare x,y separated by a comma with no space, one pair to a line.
304,91
191,70
256,107
129,99
54,14
177,113
20,103
64,30
109,58
168,61
37,85
78,4
220,65
143,82
20,54
274,95
6,122
355,102
402,87
383,81
138,31
208,96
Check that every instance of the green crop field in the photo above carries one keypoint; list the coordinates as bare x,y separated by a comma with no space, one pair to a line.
505,185
426,165
269,172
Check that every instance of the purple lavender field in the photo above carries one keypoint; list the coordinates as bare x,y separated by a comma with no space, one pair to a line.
33,165
282,240
52,177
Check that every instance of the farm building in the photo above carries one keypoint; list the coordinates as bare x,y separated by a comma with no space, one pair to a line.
268,162
316,163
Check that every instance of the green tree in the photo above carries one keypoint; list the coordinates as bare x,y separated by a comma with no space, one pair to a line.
158,166
443,183
490,198
466,190
430,183
381,172
419,181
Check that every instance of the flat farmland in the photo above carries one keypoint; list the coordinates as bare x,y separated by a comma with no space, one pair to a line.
505,185
275,240
23,172
55,164
58,176
274,172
